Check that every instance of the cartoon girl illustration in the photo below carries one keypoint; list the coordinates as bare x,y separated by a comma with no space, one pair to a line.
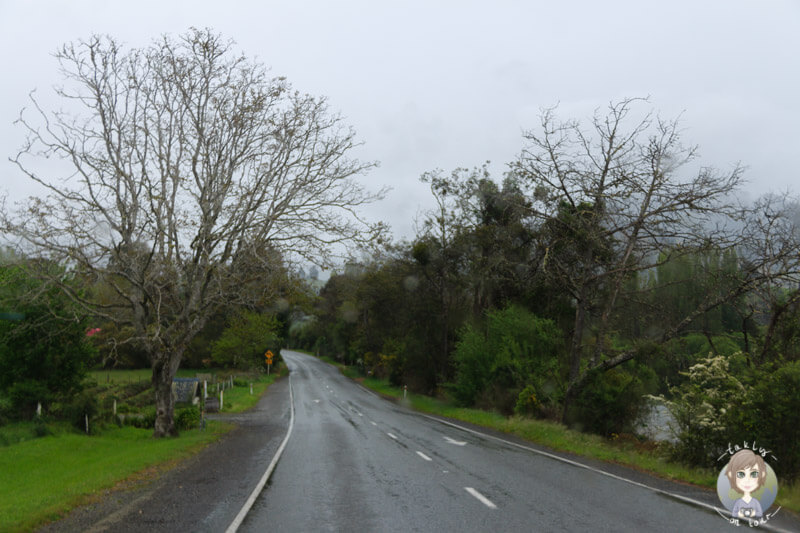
746,473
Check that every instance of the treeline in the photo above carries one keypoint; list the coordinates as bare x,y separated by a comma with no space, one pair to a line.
597,273
48,341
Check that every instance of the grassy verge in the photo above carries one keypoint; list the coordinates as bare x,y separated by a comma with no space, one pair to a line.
629,452
240,399
45,477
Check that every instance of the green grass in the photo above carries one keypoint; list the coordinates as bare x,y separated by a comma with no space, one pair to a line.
625,451
45,477
239,399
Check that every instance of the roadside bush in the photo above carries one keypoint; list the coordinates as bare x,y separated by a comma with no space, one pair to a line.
24,397
770,415
528,403
187,418
517,350
611,401
473,365
78,407
702,408
146,419
5,410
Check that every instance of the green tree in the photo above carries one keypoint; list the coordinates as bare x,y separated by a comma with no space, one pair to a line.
517,350
245,340
44,355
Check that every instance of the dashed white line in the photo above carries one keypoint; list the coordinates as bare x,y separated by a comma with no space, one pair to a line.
424,456
393,436
481,498
373,423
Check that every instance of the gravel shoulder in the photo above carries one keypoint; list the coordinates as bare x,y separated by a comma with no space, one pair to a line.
202,493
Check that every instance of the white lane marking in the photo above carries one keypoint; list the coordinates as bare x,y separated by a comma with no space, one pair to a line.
252,499
581,465
393,436
316,401
481,498
373,423
424,456
456,442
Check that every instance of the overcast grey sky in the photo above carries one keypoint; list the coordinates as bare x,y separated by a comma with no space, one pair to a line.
448,84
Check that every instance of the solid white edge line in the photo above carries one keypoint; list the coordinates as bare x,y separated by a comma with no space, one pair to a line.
668,494
252,499
424,456
481,498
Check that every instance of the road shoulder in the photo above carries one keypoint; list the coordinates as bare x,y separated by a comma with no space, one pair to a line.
201,493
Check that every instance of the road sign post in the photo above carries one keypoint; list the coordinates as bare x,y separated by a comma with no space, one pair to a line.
268,357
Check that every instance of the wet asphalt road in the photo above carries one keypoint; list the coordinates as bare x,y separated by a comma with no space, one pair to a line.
355,462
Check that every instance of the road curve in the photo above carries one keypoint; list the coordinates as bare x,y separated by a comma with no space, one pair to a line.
355,462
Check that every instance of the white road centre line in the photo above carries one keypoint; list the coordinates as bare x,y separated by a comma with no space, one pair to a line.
668,494
481,498
393,436
252,499
424,456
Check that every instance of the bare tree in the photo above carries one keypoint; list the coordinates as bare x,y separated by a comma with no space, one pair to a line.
611,202
190,168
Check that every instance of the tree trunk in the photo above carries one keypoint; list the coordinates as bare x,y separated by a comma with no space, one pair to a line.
575,353
165,366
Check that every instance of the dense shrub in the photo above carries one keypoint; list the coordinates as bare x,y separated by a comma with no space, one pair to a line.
145,419
517,350
611,401
187,418
770,415
24,396
44,353
77,408
473,363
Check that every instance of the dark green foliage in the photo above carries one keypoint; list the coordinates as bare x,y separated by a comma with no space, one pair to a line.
474,364
770,414
44,356
246,339
611,401
24,396
517,350
146,419
187,418
77,409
